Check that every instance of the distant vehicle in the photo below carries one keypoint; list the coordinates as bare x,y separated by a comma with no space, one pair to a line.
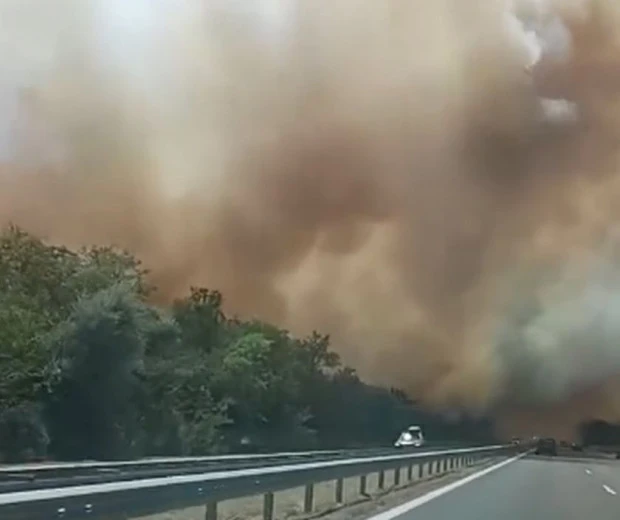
575,446
546,446
412,437
515,441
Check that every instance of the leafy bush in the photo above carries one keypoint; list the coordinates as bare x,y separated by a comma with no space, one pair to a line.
23,436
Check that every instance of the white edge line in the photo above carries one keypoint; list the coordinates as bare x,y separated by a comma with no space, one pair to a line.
609,490
417,502
128,485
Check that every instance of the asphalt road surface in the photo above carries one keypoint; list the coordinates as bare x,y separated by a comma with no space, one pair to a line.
530,488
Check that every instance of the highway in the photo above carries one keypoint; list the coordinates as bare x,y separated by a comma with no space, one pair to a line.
143,496
531,487
571,486
45,476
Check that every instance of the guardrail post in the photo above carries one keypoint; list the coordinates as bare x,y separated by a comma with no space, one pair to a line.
211,513
381,483
339,490
309,498
445,465
421,470
363,485
396,476
268,506
410,472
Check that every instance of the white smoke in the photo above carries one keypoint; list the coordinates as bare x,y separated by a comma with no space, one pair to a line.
564,337
543,37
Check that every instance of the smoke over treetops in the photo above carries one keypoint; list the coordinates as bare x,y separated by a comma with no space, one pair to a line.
433,183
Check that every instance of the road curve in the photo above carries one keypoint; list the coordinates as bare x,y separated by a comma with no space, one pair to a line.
530,488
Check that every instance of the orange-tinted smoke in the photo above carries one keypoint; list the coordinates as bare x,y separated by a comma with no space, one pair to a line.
376,170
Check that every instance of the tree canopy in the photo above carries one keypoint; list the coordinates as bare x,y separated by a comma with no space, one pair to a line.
89,368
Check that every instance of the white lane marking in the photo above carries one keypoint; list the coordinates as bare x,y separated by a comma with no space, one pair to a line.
417,502
609,490
588,472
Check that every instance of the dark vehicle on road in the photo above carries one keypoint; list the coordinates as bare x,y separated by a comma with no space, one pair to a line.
575,446
546,446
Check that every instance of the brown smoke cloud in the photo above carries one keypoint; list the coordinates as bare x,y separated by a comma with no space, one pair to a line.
378,170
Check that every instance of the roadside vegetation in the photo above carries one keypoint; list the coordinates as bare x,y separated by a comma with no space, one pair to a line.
90,369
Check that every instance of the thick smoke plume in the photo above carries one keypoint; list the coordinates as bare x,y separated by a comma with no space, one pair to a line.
434,183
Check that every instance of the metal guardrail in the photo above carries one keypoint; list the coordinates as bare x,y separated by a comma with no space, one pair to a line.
126,499
48,475
55,476
95,464
43,468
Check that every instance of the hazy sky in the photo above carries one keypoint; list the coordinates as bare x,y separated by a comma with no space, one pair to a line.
128,37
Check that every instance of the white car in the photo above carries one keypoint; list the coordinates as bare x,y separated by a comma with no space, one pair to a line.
411,437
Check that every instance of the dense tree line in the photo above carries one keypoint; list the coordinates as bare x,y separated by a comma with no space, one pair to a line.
90,369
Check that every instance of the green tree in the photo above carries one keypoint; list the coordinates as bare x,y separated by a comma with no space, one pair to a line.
23,435
100,351
179,376
200,318
32,301
180,413
39,286
261,371
90,368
